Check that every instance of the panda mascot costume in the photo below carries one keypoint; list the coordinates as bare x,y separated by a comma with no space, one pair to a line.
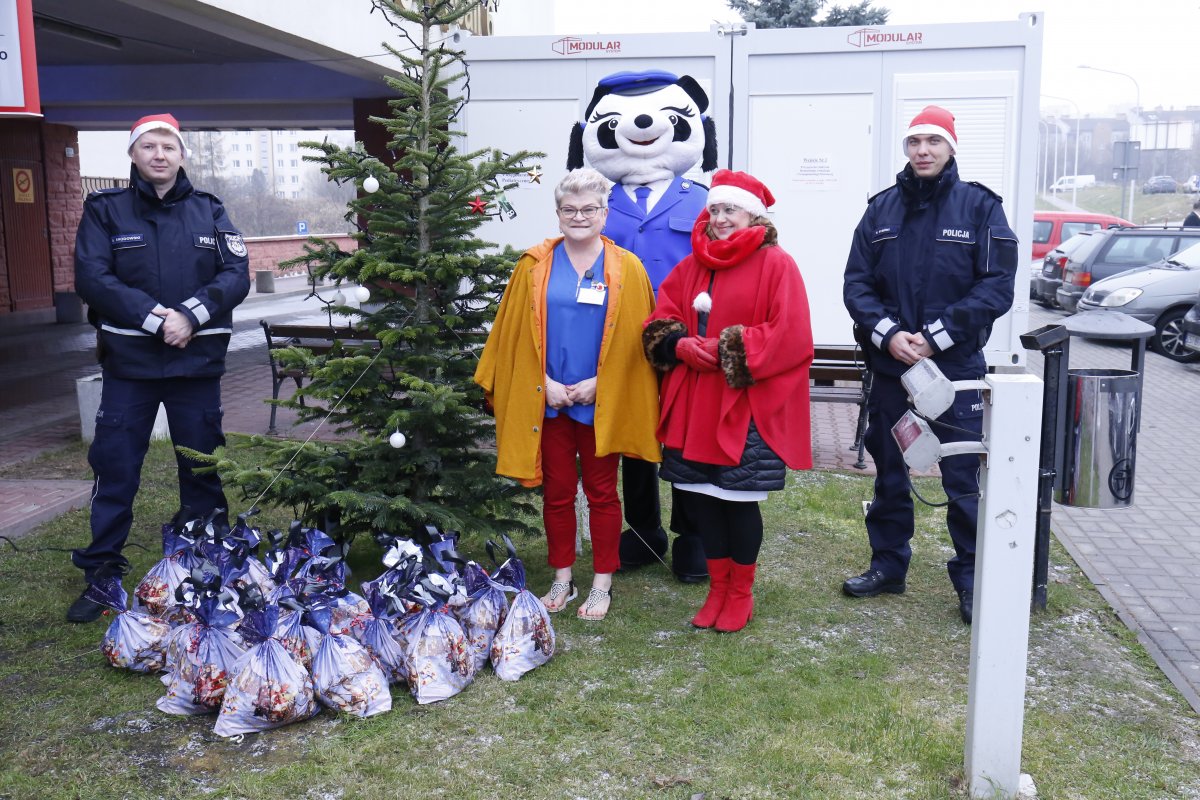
643,131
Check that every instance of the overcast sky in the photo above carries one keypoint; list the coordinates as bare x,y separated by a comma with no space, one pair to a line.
1152,40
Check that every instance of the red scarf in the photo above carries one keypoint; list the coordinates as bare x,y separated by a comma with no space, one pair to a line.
724,253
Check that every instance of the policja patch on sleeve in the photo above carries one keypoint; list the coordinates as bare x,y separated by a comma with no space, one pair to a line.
232,243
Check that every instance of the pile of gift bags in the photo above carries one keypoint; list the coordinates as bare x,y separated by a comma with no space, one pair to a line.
264,642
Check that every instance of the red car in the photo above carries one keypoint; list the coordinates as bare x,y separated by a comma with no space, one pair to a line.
1050,228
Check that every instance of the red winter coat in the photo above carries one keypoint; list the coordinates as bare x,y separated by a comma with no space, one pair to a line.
760,312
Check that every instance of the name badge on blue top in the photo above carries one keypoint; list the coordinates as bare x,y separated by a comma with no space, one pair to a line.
592,295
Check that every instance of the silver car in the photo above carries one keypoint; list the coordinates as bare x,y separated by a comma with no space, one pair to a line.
1159,294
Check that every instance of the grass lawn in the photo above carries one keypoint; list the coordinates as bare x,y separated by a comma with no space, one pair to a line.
1148,209
822,696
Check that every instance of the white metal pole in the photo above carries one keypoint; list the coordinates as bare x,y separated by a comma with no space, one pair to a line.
1003,591
1075,185
1045,131
1129,216
1055,149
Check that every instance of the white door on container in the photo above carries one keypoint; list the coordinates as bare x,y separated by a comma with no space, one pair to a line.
814,153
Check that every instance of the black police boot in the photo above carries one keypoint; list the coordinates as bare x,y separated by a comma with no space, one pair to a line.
84,609
966,605
638,550
687,559
871,583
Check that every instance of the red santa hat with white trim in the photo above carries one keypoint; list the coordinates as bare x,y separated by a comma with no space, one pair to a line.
932,121
156,122
740,189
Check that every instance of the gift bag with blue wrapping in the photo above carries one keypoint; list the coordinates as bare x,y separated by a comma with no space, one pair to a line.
270,688
134,640
201,654
379,634
438,663
482,614
525,639
155,593
243,542
345,675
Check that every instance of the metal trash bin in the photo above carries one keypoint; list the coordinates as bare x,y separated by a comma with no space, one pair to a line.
1100,438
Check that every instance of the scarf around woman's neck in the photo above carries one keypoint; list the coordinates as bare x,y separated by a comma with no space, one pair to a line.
724,253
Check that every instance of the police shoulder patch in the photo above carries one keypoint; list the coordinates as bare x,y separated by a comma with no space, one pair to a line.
234,243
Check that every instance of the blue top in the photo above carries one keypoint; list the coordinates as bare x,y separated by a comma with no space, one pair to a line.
573,329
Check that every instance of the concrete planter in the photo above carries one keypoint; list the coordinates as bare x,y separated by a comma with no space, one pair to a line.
88,392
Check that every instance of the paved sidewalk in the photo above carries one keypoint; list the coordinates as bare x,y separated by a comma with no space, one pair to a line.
1145,560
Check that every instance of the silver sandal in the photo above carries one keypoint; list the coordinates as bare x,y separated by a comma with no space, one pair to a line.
557,590
594,598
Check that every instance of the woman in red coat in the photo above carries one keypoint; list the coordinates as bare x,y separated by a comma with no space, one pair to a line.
732,333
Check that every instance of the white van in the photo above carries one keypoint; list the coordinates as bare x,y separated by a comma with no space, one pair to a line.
1068,182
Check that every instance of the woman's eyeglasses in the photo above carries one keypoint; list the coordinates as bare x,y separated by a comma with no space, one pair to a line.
587,212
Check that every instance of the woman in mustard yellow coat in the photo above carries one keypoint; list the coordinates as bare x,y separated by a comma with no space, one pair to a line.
565,373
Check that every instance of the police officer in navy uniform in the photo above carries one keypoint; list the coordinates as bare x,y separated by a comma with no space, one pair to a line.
161,268
931,267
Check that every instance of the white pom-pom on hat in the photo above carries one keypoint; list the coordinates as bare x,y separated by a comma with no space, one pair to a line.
703,302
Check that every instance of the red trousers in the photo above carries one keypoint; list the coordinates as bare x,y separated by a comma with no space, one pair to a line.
569,449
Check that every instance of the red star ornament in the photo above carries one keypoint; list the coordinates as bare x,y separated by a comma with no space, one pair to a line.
478,206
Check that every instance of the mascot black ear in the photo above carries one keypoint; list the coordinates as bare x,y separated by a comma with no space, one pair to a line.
689,85
708,161
575,148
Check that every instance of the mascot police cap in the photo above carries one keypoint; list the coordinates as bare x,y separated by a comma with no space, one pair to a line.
645,126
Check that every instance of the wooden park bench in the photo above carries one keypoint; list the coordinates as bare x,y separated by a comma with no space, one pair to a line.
318,339
839,375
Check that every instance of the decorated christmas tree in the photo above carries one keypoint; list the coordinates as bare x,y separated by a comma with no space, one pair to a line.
418,442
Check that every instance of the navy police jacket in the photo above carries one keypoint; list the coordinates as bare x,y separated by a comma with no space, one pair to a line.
936,257
134,251
663,237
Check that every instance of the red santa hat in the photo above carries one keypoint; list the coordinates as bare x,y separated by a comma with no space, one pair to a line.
156,122
740,189
932,121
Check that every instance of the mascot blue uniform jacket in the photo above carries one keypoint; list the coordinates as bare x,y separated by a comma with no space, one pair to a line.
661,238
643,131
134,251
647,129
941,260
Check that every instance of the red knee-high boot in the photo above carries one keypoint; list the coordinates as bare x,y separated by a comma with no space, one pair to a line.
718,586
739,601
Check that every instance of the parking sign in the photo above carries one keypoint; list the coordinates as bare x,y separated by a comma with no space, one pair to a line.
301,228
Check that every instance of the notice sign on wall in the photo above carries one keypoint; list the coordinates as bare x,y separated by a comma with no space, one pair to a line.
22,185
18,64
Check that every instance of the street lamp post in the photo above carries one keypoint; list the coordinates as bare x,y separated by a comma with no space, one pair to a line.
1074,185
1137,110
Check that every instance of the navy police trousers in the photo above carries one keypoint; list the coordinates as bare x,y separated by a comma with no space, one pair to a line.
123,427
890,515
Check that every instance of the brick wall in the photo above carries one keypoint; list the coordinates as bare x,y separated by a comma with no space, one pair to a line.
64,203
267,251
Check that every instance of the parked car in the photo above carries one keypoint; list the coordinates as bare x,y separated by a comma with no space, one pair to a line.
1191,328
1107,252
1043,285
1191,185
1051,228
1160,184
1160,294
1068,182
